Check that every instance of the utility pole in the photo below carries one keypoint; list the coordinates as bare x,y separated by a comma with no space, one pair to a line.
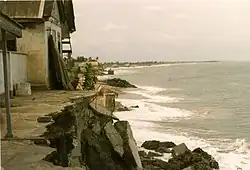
6,70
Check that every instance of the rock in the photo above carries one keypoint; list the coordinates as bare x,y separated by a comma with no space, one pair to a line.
131,155
119,83
154,154
188,168
114,138
134,106
201,166
41,142
154,145
162,164
53,157
151,145
212,163
99,154
179,149
143,154
44,119
196,160
123,109
167,144
96,128
163,150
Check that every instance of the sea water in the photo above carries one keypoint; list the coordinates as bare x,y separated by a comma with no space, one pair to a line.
204,105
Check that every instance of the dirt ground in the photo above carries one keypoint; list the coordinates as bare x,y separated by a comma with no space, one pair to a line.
24,155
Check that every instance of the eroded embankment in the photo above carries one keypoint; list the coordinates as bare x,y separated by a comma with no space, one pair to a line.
85,137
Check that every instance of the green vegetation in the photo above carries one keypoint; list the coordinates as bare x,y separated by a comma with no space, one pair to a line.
90,78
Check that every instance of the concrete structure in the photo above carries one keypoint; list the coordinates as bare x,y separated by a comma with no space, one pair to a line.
17,62
9,30
40,18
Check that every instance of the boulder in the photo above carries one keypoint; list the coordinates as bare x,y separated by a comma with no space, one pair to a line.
167,144
41,142
143,154
154,145
154,154
196,160
163,150
179,149
212,163
123,109
131,155
44,119
99,154
114,138
151,145
96,128
188,168
119,83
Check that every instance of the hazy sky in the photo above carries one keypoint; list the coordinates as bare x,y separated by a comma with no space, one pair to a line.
163,29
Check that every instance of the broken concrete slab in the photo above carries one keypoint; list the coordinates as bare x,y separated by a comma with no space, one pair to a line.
45,119
114,138
179,149
131,155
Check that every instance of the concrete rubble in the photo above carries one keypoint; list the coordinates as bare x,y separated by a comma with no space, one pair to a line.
84,138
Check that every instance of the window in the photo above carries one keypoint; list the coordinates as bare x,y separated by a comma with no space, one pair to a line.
11,45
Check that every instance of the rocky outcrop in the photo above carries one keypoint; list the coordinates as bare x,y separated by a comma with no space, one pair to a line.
183,158
119,83
83,138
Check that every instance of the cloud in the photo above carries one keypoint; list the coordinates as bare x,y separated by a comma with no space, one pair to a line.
182,16
169,36
153,8
112,26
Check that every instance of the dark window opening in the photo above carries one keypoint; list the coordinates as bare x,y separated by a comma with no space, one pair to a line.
11,45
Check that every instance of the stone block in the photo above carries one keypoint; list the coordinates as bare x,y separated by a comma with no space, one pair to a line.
114,138
179,149
131,155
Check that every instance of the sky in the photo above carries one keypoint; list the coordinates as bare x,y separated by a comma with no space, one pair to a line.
139,30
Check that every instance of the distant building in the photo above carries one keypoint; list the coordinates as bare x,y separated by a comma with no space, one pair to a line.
40,19
82,63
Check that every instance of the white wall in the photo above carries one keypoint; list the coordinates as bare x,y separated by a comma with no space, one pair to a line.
18,69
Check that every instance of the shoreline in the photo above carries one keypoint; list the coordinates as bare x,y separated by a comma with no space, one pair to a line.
162,157
148,63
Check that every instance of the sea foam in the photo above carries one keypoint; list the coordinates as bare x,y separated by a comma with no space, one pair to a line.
231,154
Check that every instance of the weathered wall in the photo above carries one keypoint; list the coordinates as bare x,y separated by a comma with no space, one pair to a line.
18,69
33,44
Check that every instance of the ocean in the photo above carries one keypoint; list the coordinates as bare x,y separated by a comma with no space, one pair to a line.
203,105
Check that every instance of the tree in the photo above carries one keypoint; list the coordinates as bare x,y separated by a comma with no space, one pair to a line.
90,78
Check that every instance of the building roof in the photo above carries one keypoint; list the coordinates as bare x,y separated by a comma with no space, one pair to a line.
39,9
21,9
11,27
